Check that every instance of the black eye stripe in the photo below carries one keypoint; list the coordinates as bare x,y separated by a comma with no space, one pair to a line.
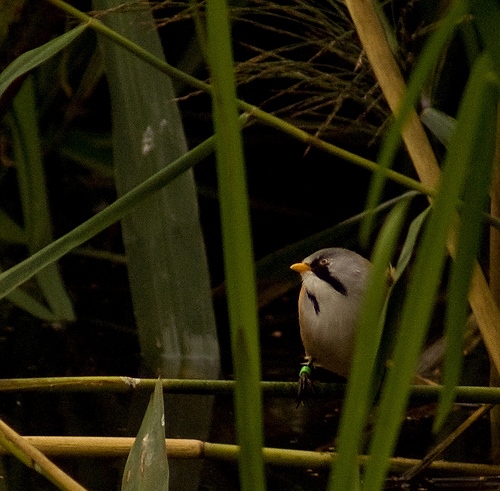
322,272
336,284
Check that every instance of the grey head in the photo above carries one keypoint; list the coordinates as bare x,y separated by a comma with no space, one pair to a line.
344,270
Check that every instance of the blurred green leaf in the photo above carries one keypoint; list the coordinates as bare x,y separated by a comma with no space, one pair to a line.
361,388
395,298
21,272
10,231
487,19
237,248
26,302
423,286
481,121
34,199
410,242
147,466
31,59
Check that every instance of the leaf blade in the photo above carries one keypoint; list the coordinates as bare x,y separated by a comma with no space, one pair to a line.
35,57
146,468
422,291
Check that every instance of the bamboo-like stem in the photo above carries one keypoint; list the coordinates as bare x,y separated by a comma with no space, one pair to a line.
419,393
103,446
390,79
393,86
175,386
92,446
32,457
495,288
495,233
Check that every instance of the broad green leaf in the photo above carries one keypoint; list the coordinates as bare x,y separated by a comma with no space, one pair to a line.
31,59
163,238
166,262
423,286
147,466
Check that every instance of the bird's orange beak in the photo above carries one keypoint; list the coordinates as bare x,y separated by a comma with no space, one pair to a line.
300,267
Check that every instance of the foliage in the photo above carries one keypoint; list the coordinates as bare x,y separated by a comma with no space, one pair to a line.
319,90
147,467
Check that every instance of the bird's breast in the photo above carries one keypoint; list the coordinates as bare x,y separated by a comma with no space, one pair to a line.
327,326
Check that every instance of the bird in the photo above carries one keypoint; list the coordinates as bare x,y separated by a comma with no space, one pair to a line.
334,281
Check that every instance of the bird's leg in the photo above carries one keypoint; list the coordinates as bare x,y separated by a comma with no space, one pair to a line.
305,386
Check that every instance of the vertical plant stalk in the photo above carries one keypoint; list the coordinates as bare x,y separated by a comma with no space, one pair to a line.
392,84
388,75
237,244
495,288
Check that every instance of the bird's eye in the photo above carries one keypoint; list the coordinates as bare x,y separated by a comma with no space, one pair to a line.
324,262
